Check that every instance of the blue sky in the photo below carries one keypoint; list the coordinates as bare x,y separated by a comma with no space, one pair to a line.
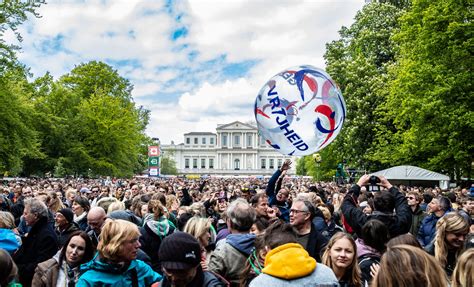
194,64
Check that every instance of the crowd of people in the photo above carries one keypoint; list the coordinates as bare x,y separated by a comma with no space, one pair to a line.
281,231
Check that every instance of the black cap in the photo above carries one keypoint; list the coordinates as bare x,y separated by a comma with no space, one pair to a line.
180,250
67,213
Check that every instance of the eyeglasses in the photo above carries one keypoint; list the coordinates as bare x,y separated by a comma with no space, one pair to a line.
296,211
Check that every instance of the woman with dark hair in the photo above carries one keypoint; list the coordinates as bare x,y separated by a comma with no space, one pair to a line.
370,246
80,207
63,268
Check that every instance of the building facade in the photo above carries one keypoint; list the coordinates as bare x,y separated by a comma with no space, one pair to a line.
235,149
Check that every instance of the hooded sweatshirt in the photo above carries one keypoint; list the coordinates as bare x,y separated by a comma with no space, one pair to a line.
291,265
228,260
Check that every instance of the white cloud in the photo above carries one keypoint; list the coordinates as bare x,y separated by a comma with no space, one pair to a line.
275,34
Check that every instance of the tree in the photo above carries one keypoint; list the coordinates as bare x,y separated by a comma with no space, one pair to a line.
13,14
18,137
168,166
358,63
430,99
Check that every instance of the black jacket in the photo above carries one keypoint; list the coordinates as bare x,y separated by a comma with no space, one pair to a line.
40,245
64,235
398,223
202,279
316,243
150,244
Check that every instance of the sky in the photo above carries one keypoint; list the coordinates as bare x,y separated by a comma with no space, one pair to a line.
193,64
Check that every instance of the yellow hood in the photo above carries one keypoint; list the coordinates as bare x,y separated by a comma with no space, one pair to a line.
289,261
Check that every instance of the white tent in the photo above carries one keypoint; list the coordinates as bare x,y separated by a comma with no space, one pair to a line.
413,175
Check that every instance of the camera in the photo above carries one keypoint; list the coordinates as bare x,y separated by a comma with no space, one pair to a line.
373,180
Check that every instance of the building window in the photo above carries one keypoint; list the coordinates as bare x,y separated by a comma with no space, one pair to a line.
249,140
203,140
236,140
203,163
280,162
237,164
263,164
211,163
195,140
186,163
224,140
188,140
271,164
195,163
262,141
211,140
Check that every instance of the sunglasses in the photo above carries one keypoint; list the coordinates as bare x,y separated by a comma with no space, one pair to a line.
410,197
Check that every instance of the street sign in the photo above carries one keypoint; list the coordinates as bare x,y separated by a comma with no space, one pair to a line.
154,171
153,151
154,161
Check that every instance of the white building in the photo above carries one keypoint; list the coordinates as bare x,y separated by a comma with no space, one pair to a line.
235,149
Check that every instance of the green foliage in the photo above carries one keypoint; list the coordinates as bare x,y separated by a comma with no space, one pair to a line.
168,166
358,63
430,98
12,14
18,137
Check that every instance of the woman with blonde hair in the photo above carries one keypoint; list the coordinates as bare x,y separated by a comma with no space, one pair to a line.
448,243
406,266
341,256
463,274
201,228
54,202
116,264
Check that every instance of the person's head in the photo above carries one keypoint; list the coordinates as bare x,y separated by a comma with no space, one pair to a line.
282,195
279,233
451,232
301,213
105,202
180,255
406,239
63,218
261,223
7,220
427,196
118,205
240,216
54,202
119,241
341,254
80,205
260,203
135,190
384,201
8,269
405,265
413,198
96,218
27,192
158,208
70,195
463,274
440,204
77,249
34,211
200,228
172,203
375,234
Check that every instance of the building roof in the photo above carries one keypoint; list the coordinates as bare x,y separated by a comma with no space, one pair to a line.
199,133
220,127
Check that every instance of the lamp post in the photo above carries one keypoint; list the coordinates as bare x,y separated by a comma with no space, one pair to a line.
317,159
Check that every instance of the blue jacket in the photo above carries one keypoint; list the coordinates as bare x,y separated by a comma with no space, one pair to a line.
98,273
271,192
9,240
427,230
